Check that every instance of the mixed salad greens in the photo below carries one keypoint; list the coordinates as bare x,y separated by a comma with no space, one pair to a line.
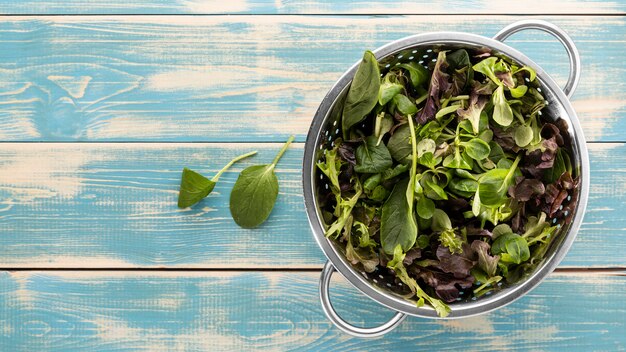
447,177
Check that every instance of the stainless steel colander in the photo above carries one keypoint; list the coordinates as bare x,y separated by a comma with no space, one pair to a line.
325,128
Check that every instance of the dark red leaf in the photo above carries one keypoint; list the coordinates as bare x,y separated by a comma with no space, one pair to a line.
438,84
549,130
456,205
448,293
563,127
518,221
557,202
486,261
446,286
526,188
556,194
505,139
428,112
568,209
482,52
345,177
411,255
551,193
346,152
537,161
475,231
566,181
458,265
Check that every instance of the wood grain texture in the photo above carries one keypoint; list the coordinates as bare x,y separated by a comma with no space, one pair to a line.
108,205
143,7
244,78
280,311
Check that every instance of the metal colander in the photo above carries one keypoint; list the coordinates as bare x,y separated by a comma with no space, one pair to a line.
325,128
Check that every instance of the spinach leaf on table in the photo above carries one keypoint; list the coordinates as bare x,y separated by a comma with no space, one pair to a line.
254,193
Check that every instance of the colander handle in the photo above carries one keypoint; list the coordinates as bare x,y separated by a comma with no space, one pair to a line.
343,325
558,33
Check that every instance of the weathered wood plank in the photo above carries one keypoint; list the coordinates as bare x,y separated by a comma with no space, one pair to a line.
114,205
243,78
142,7
226,311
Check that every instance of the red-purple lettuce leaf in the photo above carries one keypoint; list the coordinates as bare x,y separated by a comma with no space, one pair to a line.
438,84
411,255
558,192
487,262
536,162
346,152
526,188
505,138
477,231
446,286
550,130
458,265
472,112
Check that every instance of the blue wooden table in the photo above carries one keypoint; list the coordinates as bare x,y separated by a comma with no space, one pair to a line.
103,102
